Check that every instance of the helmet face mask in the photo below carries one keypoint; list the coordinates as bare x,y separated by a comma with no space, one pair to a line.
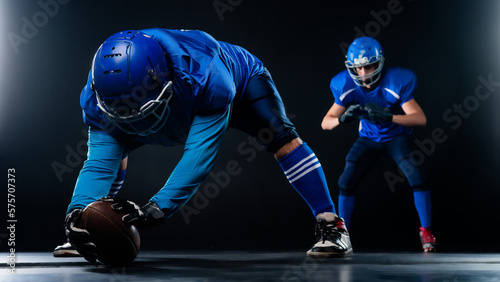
365,51
129,78
148,119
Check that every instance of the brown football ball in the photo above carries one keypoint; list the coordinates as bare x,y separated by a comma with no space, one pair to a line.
117,243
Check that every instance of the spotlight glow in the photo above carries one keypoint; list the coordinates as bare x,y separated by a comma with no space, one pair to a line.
3,49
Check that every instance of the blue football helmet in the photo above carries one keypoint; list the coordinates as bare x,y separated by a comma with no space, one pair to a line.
364,51
130,80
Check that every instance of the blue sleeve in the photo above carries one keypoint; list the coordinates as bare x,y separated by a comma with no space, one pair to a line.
202,145
99,170
336,91
408,88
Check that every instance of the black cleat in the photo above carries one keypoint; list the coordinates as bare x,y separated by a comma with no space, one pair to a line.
65,250
332,237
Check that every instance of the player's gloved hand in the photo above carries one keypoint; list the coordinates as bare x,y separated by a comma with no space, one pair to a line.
148,216
353,112
377,114
110,199
79,237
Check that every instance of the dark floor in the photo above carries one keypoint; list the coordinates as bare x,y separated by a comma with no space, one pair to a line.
260,266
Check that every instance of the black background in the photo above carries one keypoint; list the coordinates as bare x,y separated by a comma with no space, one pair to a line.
450,45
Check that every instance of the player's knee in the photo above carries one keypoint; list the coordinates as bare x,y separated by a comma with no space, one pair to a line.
421,187
284,143
346,192
418,180
347,188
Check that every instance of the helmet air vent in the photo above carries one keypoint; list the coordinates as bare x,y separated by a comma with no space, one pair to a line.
112,55
112,72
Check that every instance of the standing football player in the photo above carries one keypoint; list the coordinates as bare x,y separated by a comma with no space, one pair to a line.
169,87
382,99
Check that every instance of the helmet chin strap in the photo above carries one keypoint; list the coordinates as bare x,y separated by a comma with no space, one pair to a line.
155,78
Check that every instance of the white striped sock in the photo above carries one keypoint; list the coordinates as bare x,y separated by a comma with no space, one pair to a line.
300,169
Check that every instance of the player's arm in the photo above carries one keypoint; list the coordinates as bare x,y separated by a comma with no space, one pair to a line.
99,170
415,116
331,119
95,179
339,115
202,145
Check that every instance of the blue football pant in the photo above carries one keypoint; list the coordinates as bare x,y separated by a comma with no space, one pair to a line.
363,155
365,152
260,112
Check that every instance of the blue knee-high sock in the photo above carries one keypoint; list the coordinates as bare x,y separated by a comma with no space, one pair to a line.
424,206
117,184
346,206
304,172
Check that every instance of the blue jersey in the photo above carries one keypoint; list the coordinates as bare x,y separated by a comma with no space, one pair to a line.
207,76
395,88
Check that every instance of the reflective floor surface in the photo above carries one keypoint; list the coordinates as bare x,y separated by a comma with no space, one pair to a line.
259,266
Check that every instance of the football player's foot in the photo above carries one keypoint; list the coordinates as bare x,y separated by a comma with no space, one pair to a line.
65,250
428,240
332,238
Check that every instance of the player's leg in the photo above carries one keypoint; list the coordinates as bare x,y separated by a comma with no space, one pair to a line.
260,112
363,154
303,170
306,175
400,150
120,178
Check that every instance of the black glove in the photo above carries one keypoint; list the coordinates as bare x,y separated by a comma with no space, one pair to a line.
148,216
79,237
378,115
352,113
